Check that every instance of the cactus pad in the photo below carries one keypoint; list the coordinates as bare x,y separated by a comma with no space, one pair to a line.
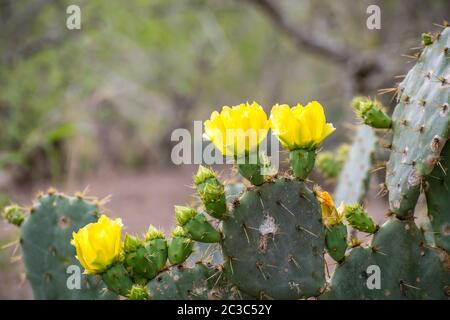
420,125
46,248
200,282
355,175
274,241
408,269
438,195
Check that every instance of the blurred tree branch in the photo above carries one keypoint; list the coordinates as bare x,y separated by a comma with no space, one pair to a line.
365,72
316,44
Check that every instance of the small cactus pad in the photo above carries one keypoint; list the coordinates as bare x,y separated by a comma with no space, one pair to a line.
274,241
355,175
330,164
336,241
200,282
438,196
408,269
420,125
46,248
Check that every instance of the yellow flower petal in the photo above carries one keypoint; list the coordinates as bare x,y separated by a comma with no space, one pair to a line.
237,130
300,127
98,244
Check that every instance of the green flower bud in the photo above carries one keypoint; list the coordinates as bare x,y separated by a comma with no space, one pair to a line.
154,233
184,214
427,39
138,292
131,243
14,214
358,218
203,174
371,112
179,232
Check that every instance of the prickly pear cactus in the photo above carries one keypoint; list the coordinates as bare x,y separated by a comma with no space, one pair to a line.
46,249
270,237
200,282
408,268
274,240
437,193
355,175
420,125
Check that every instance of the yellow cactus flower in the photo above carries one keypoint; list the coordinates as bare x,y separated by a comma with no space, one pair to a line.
300,127
330,216
98,244
237,130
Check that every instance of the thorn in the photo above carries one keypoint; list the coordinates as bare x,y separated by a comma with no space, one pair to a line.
442,168
244,227
292,259
307,231
230,260
285,208
259,266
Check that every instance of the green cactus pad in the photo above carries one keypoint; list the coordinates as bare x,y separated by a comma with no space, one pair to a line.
336,241
438,195
199,229
140,265
46,248
420,125
180,249
274,242
200,282
408,268
353,181
118,280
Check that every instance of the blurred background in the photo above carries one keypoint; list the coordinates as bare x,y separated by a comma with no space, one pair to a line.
96,107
